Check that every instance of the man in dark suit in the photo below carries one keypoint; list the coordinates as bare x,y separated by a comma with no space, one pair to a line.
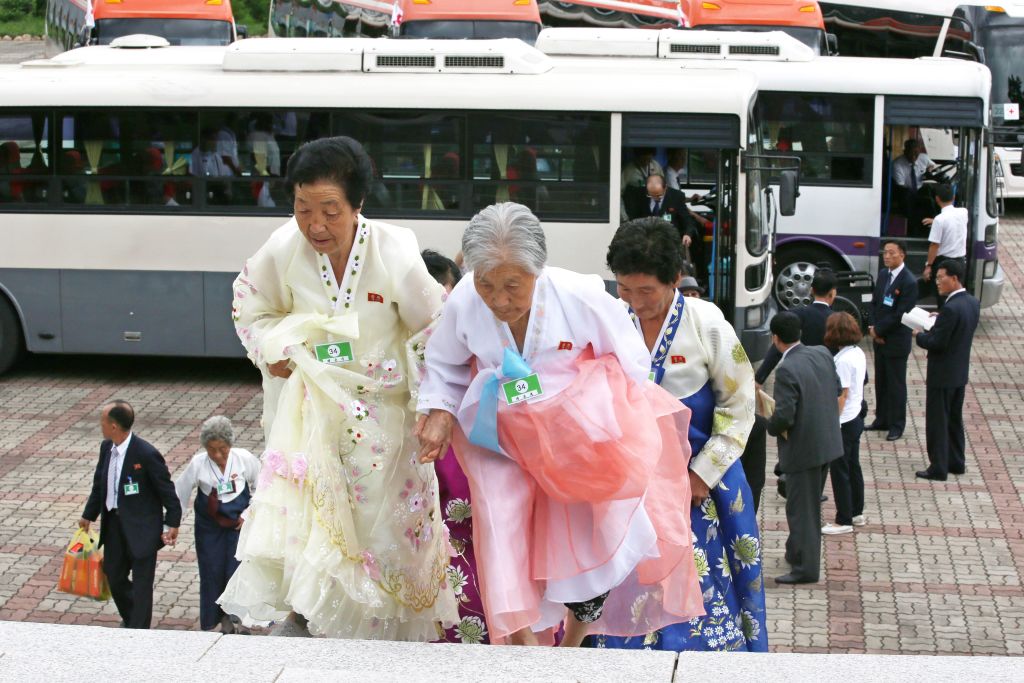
895,294
806,422
812,320
949,357
130,491
656,199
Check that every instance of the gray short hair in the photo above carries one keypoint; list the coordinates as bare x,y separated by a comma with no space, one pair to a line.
506,233
217,428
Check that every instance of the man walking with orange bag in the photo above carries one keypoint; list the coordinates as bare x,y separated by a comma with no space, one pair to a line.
130,492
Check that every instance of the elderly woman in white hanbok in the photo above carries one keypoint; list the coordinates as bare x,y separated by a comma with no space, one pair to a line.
578,471
344,535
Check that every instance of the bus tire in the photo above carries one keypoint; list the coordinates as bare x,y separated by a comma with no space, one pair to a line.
12,344
794,269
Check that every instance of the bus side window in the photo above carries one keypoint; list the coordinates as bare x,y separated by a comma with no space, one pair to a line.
24,158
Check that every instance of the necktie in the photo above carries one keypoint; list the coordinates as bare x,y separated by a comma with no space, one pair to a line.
656,209
913,176
112,479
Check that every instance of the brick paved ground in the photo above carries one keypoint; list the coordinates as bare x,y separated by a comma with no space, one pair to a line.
937,570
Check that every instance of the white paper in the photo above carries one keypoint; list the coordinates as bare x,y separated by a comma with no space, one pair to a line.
918,319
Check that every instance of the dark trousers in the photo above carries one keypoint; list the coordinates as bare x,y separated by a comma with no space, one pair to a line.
133,597
847,478
803,515
215,550
754,458
944,430
890,390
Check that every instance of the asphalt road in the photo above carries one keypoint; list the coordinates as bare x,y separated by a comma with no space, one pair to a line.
15,51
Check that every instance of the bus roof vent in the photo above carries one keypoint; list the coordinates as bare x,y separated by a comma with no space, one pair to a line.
406,62
139,41
771,50
696,49
474,62
507,56
773,46
295,54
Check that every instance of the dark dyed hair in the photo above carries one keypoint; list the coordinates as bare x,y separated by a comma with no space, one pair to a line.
786,326
121,413
953,269
900,244
647,246
841,329
441,268
911,144
824,281
944,192
339,160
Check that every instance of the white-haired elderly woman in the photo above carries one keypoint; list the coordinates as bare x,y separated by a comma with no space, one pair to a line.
345,537
223,478
576,466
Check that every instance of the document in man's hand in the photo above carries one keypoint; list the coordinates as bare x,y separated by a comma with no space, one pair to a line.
918,319
765,404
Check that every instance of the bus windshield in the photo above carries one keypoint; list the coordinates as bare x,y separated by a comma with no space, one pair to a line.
176,31
527,31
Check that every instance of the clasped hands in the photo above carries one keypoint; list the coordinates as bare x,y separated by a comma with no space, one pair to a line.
434,432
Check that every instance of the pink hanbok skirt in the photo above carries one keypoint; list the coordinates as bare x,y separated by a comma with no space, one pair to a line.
593,495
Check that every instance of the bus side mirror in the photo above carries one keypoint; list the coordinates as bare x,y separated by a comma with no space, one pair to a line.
789,190
241,31
832,44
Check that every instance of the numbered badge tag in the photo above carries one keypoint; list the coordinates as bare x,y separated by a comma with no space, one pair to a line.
888,301
519,390
226,487
131,488
334,353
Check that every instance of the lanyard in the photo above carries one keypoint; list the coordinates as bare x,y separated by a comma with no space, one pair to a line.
227,468
661,353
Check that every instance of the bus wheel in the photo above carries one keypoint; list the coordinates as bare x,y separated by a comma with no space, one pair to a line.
11,342
794,271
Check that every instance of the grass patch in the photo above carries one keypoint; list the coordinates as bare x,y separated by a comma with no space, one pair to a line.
30,25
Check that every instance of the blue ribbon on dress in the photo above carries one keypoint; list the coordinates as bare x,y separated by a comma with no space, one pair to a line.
485,426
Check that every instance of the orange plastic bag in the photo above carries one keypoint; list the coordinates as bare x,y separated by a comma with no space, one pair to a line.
82,573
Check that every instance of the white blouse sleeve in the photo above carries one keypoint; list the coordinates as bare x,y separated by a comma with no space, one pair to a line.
186,483
613,330
250,468
732,379
447,355
261,299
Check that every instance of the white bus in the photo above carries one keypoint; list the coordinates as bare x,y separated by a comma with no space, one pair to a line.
847,120
109,245
988,31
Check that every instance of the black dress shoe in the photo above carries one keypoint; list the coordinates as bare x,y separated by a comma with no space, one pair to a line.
823,499
877,427
958,471
893,435
928,474
781,488
791,578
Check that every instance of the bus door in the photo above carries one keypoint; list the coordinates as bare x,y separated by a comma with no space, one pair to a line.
947,131
697,154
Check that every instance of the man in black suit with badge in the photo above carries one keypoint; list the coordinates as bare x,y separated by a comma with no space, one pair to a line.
660,201
806,422
895,294
949,358
130,491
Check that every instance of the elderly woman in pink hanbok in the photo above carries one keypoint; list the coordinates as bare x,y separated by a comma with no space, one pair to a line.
577,463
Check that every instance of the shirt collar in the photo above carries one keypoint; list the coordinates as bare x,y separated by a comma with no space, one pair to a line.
952,294
786,352
896,271
948,207
122,447
821,303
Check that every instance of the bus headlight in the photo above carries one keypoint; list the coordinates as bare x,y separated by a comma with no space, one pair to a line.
989,271
991,234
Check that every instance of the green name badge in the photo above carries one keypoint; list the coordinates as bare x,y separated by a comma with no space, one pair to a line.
334,353
131,488
519,390
226,487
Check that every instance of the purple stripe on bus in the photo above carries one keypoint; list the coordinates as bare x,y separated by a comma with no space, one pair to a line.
871,246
